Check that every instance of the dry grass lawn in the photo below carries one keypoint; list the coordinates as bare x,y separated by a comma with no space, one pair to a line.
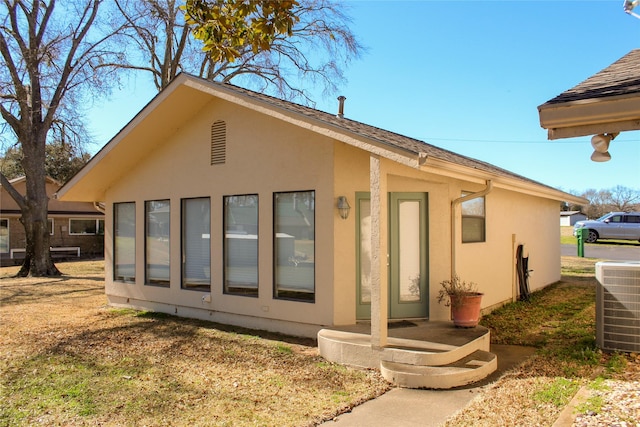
560,322
67,359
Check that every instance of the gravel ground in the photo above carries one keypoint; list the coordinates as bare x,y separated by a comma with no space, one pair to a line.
619,398
620,406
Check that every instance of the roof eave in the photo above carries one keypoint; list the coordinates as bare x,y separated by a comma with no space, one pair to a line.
479,176
590,116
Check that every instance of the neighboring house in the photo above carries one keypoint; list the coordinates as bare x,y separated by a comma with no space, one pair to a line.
222,204
606,103
568,218
77,228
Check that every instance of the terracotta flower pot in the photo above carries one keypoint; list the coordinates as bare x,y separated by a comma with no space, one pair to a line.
465,310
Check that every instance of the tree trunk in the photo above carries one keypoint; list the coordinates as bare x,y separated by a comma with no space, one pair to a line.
37,261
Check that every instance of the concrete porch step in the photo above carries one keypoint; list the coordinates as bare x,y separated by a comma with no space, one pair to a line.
471,368
429,355
355,349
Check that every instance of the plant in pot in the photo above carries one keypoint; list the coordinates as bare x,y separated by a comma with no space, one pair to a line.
464,299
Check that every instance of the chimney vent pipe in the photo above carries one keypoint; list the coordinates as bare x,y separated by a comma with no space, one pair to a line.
341,99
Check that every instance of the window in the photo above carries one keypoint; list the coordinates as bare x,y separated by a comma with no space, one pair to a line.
294,245
616,219
50,224
473,220
4,236
157,215
86,226
124,246
196,244
241,245
635,219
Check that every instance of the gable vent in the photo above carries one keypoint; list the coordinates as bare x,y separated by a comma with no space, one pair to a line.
218,143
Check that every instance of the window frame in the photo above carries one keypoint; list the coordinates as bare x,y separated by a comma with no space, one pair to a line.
248,290
97,227
161,283
7,237
464,237
116,278
292,295
183,247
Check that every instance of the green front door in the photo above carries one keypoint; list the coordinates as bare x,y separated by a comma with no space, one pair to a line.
407,255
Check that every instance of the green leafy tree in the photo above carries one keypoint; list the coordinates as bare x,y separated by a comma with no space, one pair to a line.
225,26
62,161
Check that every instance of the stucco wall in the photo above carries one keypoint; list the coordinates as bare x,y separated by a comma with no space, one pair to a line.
263,156
512,218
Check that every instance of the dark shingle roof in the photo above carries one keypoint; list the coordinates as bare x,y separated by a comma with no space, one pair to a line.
385,137
620,78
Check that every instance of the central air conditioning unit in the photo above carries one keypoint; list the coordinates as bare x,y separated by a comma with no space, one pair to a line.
618,306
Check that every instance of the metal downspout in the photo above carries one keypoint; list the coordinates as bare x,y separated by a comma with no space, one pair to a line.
454,205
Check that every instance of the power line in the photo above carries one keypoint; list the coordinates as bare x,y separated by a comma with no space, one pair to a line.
512,141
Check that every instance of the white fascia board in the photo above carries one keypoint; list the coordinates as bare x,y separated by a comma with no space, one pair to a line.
593,129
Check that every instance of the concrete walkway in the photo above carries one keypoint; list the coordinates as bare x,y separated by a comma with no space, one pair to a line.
425,408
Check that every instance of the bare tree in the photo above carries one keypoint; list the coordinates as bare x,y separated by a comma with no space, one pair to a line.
619,199
51,55
315,52
624,199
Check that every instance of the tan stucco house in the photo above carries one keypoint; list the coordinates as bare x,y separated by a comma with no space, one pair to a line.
76,228
222,204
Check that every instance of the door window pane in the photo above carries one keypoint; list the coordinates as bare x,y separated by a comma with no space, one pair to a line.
124,248
409,250
365,251
241,245
294,244
157,221
196,244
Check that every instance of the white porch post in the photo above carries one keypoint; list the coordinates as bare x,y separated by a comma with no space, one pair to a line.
379,288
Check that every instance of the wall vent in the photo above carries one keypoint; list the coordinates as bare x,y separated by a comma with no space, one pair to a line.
618,306
218,143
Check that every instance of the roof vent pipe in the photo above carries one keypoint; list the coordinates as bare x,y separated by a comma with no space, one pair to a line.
341,99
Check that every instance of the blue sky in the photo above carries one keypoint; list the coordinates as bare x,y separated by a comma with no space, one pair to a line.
468,76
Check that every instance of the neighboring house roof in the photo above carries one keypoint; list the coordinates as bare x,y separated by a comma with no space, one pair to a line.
193,93
607,102
8,206
570,213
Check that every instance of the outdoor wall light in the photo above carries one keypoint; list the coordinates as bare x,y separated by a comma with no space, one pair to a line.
343,207
600,144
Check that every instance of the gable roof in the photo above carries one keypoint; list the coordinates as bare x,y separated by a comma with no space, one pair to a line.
408,151
607,102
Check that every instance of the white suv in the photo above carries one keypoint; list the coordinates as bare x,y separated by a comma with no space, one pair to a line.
614,225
